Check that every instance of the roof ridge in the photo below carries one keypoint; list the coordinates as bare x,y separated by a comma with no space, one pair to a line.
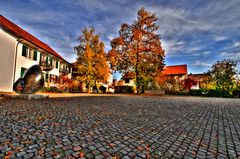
177,65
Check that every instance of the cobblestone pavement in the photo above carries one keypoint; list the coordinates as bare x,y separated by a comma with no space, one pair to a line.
120,127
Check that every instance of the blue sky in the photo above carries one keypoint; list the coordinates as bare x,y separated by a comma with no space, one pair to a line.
194,32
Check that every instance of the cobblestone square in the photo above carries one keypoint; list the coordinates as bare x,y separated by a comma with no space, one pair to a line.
120,126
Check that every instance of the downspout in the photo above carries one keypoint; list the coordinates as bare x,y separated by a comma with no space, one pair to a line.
15,62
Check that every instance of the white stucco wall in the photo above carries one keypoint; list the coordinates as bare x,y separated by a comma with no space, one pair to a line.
23,62
8,72
7,53
131,83
26,63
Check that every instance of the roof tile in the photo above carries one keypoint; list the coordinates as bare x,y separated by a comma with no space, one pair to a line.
175,70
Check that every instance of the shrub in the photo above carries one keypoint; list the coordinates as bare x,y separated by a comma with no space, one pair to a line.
123,89
218,93
198,92
236,93
52,90
103,89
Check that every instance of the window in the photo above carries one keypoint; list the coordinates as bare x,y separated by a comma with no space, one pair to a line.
23,70
24,51
28,52
127,80
35,55
56,64
29,55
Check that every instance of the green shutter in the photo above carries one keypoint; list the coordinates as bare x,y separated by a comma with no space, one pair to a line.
35,55
51,61
23,70
40,57
56,64
46,77
24,51
46,59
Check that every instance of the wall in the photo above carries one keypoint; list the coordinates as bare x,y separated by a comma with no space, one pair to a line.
8,47
7,52
131,83
27,63
23,61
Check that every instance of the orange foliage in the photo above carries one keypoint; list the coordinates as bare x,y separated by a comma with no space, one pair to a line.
91,61
138,48
161,80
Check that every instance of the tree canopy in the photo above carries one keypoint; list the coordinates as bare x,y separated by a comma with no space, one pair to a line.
91,58
138,49
224,74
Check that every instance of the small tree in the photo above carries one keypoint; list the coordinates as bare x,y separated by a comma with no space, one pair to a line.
224,74
91,59
138,49
188,83
161,80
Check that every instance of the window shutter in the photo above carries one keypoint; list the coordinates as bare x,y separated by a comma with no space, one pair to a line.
40,57
46,77
23,70
51,61
56,64
35,55
24,51
46,60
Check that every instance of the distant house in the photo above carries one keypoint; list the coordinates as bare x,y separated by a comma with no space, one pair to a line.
176,74
201,80
128,79
19,50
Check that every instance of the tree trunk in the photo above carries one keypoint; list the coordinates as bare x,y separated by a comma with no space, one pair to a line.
89,88
143,89
137,73
137,82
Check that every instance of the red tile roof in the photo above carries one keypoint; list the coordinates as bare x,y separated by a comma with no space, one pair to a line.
20,33
175,70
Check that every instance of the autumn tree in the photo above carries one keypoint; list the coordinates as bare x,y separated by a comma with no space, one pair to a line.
161,80
91,59
188,83
138,49
224,74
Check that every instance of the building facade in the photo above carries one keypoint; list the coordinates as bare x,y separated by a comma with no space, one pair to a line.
20,50
175,75
201,80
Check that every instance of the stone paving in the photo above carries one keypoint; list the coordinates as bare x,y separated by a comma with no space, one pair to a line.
120,127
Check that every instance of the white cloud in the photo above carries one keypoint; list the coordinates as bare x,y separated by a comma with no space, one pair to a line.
232,55
201,64
233,45
236,44
206,53
220,38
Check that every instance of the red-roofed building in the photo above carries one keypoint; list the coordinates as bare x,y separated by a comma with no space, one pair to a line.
176,74
19,50
175,70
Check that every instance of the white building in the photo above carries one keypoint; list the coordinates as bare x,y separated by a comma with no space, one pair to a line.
20,50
